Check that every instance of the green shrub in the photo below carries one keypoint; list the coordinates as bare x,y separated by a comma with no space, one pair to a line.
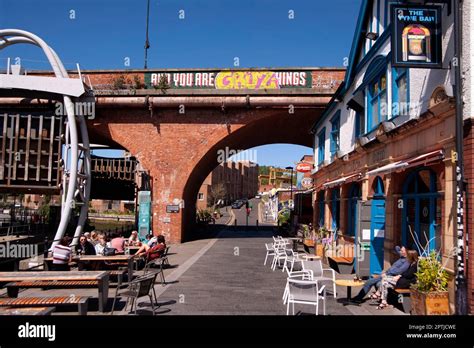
431,275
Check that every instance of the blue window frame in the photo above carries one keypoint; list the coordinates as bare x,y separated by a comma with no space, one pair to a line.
335,130
359,124
335,208
321,145
400,91
377,101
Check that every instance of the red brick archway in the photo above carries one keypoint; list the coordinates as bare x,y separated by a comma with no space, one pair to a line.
180,150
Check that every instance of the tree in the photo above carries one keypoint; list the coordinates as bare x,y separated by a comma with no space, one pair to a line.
218,191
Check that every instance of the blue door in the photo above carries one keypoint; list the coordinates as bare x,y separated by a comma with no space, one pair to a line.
377,228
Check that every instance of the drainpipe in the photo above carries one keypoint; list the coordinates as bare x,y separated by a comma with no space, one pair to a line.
461,284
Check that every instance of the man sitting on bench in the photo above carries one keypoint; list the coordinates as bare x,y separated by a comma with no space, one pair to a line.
398,267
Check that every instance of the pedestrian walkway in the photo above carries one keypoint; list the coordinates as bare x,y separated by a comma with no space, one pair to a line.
230,278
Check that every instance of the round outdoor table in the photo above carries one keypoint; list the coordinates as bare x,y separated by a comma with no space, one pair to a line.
349,283
312,257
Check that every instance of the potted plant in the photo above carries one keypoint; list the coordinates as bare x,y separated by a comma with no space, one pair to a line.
429,295
320,238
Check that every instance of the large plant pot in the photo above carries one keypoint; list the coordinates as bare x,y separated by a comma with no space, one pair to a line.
319,250
430,303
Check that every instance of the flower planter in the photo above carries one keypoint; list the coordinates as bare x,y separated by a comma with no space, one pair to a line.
319,250
429,303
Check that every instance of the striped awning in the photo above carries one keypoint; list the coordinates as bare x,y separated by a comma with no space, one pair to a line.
342,180
425,159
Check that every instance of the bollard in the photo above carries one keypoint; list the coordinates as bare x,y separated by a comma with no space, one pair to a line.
257,224
45,250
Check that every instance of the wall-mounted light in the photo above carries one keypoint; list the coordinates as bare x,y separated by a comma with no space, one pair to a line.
371,36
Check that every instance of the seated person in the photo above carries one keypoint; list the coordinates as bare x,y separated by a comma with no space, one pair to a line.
157,250
401,281
102,244
147,250
94,238
118,243
133,240
62,255
85,247
398,267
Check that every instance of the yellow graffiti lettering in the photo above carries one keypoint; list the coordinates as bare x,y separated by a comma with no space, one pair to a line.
246,80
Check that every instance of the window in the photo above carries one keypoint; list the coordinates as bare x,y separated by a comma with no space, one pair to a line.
377,99
400,90
321,145
335,127
201,196
359,124
335,209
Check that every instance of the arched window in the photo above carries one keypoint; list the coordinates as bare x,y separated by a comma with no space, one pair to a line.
335,208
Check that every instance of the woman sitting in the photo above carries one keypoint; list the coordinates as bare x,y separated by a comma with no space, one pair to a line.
402,281
153,252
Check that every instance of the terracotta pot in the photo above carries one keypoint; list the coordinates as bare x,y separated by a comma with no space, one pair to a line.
319,250
429,303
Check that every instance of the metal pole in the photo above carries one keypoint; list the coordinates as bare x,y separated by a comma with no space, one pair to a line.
461,285
147,42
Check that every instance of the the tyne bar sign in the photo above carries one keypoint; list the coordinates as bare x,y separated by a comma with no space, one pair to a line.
245,79
416,36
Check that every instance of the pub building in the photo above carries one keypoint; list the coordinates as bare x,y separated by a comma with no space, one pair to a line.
387,137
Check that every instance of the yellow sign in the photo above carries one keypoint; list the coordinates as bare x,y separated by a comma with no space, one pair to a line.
247,80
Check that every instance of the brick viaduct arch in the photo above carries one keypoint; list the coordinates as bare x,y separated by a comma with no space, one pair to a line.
180,150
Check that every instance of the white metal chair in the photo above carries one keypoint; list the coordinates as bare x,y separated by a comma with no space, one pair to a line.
306,292
302,275
315,268
270,251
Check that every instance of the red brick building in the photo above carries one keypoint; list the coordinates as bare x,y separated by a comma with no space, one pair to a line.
229,181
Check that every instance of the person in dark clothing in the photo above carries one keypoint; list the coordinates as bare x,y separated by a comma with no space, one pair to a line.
401,281
85,247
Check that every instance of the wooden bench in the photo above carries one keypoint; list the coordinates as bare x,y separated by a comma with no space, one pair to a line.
400,298
14,287
80,301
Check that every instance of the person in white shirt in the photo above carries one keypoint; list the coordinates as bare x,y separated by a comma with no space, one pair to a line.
102,244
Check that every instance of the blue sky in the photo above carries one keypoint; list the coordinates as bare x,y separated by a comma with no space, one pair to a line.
104,33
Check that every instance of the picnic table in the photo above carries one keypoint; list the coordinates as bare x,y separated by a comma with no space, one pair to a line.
102,278
27,311
81,259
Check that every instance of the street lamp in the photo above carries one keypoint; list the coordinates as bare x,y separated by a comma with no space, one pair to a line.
291,184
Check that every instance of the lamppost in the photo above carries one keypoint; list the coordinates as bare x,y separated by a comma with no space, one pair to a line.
291,186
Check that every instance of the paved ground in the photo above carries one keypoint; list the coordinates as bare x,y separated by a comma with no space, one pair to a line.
221,275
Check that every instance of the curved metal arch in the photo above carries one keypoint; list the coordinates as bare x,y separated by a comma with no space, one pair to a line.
76,179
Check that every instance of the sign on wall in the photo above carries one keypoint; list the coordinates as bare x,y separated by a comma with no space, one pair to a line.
230,79
416,36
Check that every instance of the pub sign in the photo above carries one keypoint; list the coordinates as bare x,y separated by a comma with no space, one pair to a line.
416,36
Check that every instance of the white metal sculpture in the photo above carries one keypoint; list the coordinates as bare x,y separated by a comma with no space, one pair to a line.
76,163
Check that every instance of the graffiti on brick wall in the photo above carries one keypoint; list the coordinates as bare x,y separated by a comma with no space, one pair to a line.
240,79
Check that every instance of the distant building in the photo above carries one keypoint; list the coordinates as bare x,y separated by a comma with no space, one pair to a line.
108,205
227,182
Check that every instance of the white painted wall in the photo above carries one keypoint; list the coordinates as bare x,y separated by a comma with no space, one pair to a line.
422,82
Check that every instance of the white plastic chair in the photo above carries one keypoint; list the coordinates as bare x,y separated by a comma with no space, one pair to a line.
306,292
317,271
270,251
